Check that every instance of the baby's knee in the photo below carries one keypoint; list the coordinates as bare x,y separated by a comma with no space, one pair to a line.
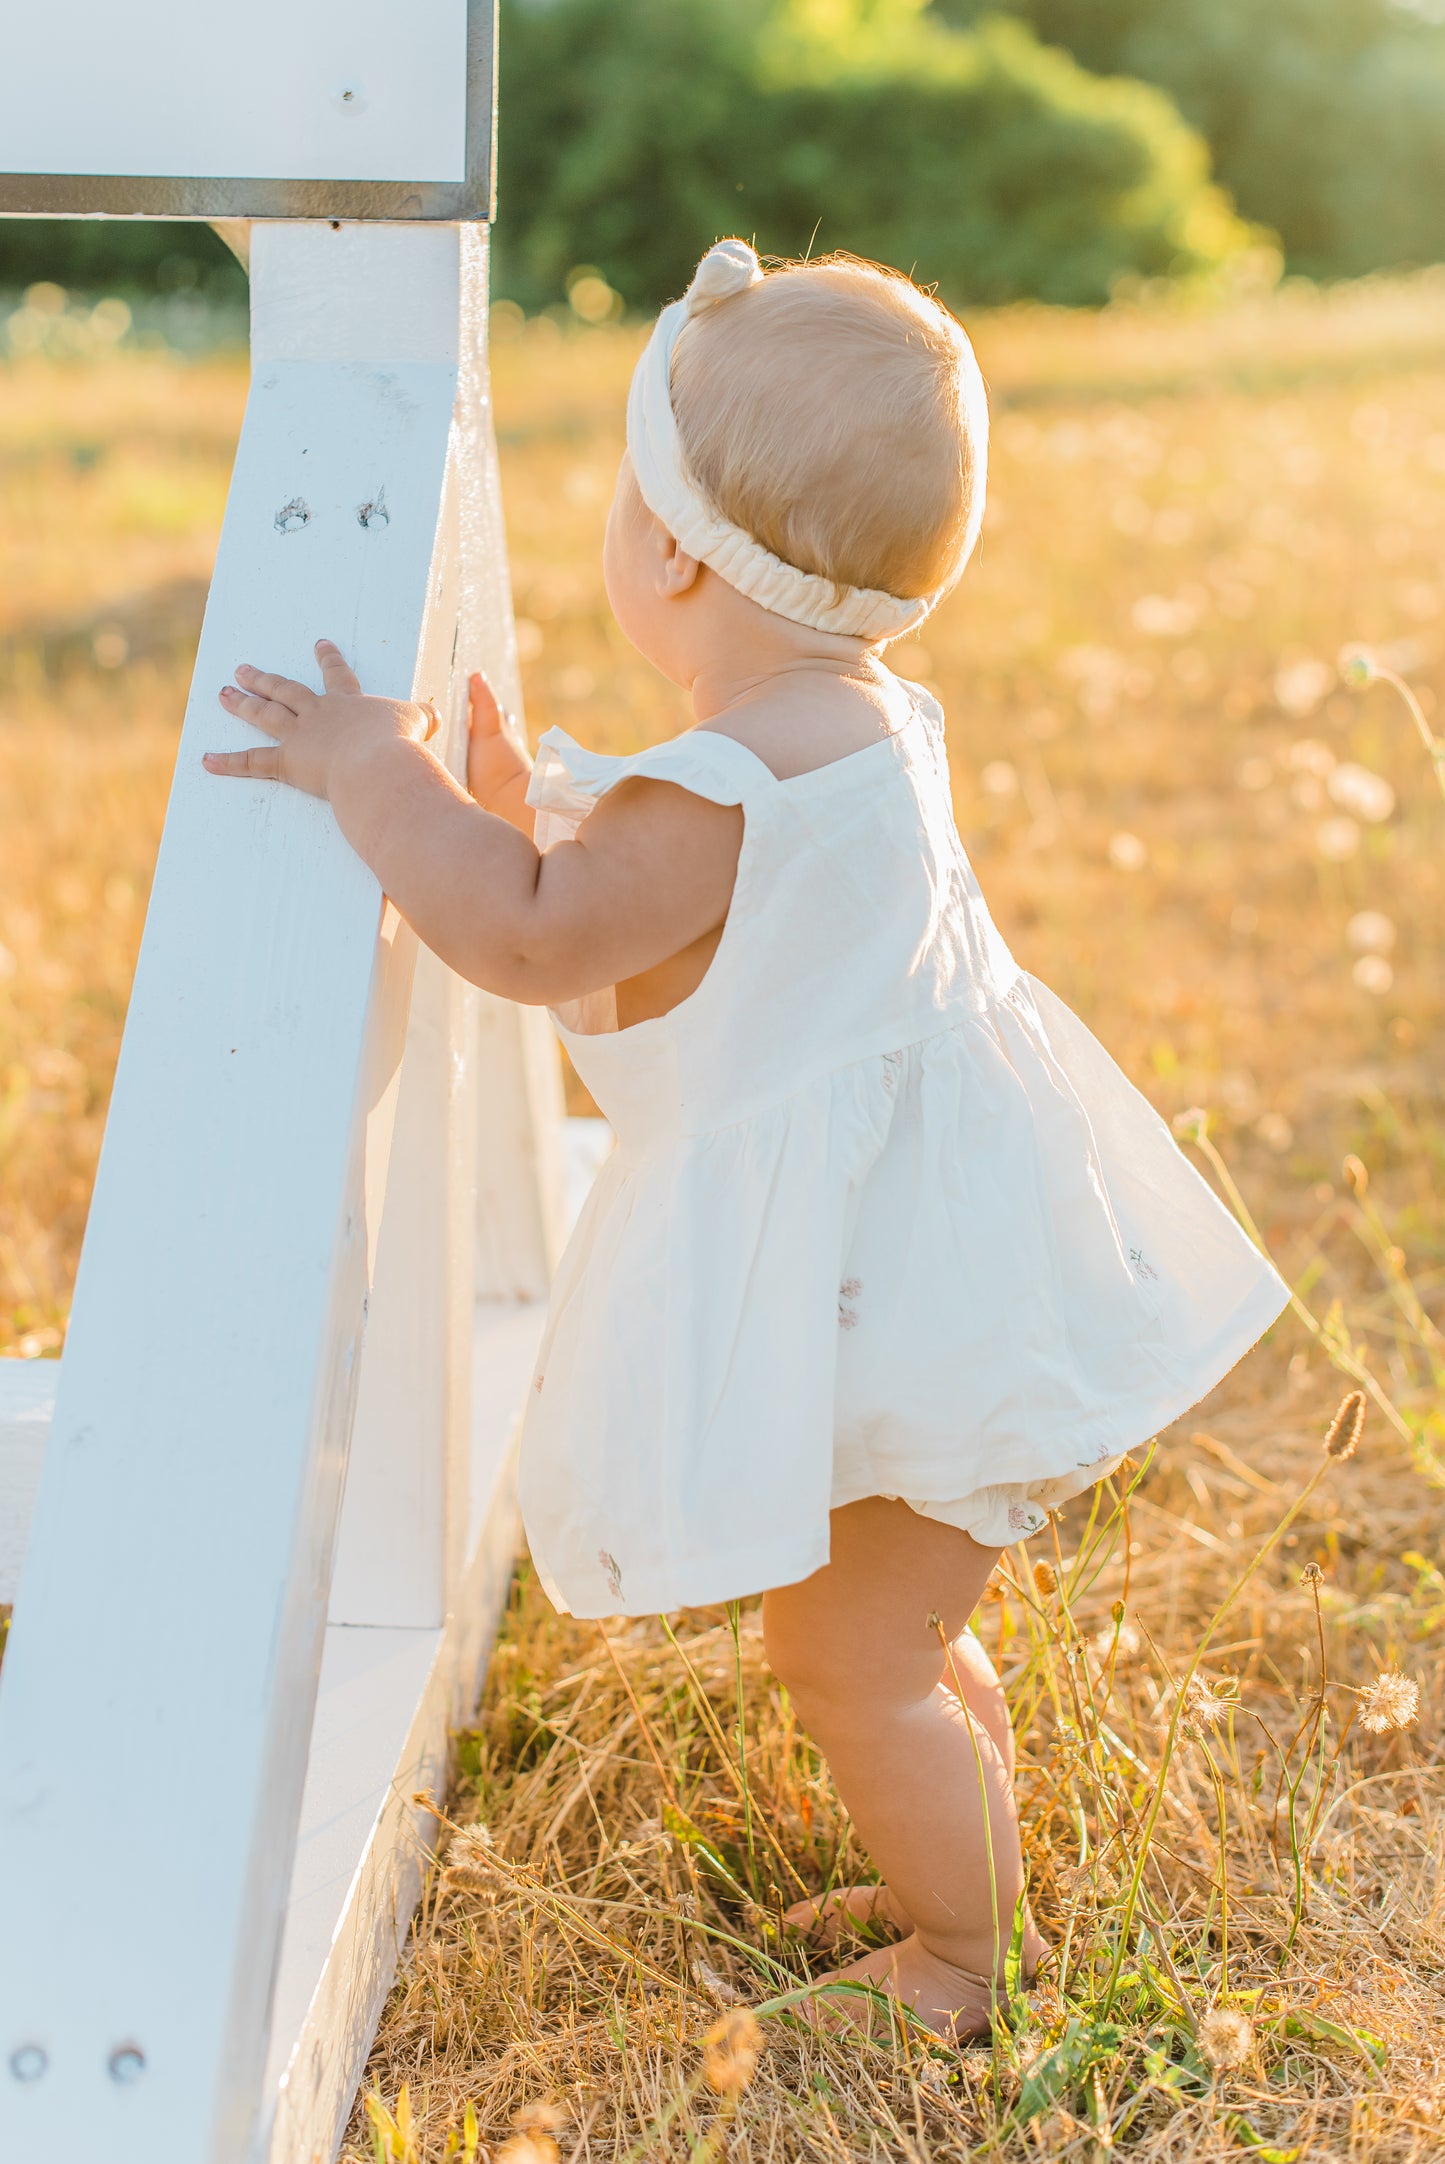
817,1671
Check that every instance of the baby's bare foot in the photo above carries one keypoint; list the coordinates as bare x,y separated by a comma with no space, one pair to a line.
956,2004
860,1910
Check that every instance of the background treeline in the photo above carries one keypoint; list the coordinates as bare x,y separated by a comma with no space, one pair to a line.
1005,148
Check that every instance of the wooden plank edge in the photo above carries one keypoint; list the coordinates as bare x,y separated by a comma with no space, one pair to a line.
313,2097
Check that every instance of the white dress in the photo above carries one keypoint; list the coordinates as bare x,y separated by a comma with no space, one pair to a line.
882,1218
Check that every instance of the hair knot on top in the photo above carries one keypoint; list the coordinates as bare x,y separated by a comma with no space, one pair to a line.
730,267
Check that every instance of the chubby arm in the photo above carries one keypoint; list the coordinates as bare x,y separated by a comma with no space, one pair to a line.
650,871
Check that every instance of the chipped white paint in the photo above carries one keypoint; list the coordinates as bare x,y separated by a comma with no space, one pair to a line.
174,1590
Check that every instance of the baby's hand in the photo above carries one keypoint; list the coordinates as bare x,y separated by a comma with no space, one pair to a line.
498,768
312,732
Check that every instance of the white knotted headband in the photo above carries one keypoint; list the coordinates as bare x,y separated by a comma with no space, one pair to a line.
671,494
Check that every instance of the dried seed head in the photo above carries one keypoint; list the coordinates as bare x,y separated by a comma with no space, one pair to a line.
1312,1575
1356,1173
1046,1580
730,2052
1392,1701
1205,1706
532,2143
537,2119
528,2149
1358,667
1344,1431
1226,2039
1117,1611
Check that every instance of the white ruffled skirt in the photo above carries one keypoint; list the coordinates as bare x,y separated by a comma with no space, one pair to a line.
972,1272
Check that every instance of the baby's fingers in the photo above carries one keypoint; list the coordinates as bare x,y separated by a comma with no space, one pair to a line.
336,672
485,714
275,690
260,762
268,715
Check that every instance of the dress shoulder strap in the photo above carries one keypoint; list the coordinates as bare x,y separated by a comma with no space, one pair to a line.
568,779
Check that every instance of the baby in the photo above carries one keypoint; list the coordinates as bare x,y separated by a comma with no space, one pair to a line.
889,1260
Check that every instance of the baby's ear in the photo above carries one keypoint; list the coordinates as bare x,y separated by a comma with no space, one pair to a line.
678,571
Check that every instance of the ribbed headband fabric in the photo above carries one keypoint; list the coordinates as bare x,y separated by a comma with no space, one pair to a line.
671,494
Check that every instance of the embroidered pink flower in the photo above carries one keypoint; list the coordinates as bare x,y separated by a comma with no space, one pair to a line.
612,1573
1023,1520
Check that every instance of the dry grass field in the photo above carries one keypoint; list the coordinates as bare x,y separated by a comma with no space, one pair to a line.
1231,863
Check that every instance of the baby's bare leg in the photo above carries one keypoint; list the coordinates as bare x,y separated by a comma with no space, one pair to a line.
870,1680
873,1903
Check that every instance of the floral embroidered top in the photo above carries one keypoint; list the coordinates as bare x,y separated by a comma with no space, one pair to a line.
882,1218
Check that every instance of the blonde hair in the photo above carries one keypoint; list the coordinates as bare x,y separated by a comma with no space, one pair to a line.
836,413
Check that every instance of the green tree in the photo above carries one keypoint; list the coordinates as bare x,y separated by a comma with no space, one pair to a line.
634,132
1326,117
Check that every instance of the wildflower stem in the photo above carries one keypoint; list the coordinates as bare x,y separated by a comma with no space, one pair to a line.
1339,1356
1156,1802
735,1625
1434,745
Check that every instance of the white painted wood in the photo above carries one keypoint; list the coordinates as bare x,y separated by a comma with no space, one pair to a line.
27,1400
167,87
176,1577
521,1193
401,1547
503,1349
388,1699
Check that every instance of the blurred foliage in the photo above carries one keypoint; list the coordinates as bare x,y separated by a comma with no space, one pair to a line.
634,132
1326,118
129,256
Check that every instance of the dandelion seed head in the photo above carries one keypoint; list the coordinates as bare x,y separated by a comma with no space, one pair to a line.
1370,931
1356,789
1300,685
730,2052
1191,1125
1226,2039
1206,1705
1311,1575
1310,755
1337,839
1275,1132
1372,973
1120,1638
1343,1433
1392,1701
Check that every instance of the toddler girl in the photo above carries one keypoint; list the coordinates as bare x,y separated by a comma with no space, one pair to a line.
889,1259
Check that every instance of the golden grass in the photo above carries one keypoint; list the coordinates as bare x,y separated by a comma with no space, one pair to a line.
1176,811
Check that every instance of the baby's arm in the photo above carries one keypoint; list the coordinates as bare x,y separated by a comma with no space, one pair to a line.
650,871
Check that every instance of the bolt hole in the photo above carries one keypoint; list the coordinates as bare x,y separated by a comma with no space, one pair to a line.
28,2063
127,2063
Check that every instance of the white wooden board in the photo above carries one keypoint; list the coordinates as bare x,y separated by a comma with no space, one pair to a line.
176,1577
285,89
